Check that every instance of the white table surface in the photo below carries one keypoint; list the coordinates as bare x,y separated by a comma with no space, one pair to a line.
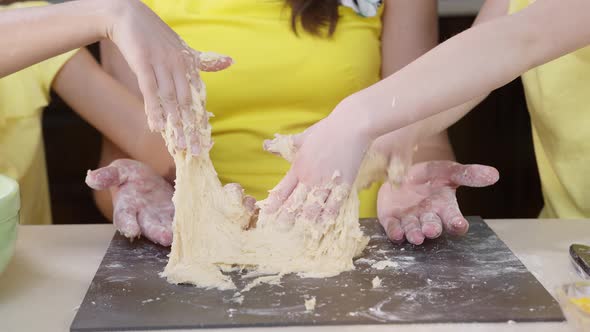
53,266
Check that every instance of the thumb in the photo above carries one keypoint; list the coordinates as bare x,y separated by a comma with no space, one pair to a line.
211,61
475,175
450,173
104,178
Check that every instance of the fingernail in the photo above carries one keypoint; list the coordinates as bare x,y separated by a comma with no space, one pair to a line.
397,238
457,223
166,238
459,226
416,239
415,236
395,234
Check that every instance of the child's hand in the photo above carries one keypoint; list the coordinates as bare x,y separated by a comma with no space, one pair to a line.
425,202
327,159
164,65
142,199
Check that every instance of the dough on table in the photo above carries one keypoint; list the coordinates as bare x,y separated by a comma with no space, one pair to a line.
217,226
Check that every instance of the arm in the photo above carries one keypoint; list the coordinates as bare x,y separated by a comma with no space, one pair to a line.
431,132
117,114
155,53
115,65
30,35
490,54
497,51
424,203
333,149
109,107
410,29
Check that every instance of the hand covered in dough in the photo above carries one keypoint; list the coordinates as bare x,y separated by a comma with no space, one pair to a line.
324,167
142,199
164,65
425,204
388,157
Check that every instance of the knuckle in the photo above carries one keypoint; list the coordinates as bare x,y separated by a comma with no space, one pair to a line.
168,97
185,103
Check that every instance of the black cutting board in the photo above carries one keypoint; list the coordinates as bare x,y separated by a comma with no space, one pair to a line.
475,278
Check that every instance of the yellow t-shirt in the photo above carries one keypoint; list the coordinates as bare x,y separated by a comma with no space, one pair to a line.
280,83
558,98
23,95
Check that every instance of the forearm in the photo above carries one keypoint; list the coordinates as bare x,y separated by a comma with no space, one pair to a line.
114,64
440,122
432,129
31,35
436,147
410,29
109,107
489,55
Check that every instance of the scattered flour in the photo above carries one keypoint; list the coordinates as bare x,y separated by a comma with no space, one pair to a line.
271,280
381,265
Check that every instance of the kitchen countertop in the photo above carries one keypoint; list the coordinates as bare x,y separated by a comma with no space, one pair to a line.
53,266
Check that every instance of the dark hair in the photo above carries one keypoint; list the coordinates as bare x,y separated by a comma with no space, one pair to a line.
314,15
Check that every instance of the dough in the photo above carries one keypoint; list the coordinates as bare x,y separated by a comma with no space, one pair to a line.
310,304
376,282
216,226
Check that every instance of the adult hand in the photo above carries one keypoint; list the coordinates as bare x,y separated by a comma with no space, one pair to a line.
425,204
164,65
142,199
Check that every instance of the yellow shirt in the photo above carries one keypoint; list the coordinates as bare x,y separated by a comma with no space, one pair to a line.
558,98
23,95
280,83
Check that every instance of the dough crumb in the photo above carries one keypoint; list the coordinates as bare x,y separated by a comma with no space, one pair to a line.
271,280
376,282
238,298
310,304
381,265
365,261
